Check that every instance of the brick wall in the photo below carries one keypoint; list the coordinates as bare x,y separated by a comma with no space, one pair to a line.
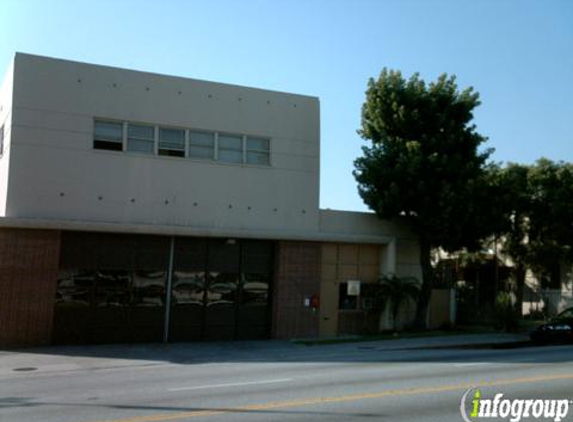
28,277
297,276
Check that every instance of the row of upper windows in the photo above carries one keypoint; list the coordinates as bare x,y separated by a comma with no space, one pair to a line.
150,139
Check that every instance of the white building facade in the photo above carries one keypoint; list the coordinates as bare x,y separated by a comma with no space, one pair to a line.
144,207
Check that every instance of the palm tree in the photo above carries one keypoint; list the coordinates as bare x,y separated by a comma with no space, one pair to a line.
395,291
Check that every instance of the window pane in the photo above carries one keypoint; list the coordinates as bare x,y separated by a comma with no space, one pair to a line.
108,131
345,301
109,145
172,139
172,135
230,142
137,145
205,139
257,144
201,152
231,156
140,131
258,158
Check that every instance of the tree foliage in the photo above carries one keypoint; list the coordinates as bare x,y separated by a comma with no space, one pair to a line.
535,217
423,163
395,291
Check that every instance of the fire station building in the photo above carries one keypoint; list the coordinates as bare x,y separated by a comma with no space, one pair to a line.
142,207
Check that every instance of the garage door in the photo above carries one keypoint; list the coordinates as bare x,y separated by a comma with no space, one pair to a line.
113,288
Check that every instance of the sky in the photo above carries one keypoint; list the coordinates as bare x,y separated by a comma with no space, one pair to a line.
518,54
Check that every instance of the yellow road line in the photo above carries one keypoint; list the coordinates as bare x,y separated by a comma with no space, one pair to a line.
339,399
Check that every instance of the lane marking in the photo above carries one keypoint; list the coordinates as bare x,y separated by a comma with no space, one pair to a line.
339,399
231,384
461,365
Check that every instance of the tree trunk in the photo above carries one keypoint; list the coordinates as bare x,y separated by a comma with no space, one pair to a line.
395,317
426,286
520,272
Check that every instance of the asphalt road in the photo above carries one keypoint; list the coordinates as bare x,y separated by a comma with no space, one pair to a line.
270,381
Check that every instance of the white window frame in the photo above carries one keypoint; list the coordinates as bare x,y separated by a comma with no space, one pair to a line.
127,138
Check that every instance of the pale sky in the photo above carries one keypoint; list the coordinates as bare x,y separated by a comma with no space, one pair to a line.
517,54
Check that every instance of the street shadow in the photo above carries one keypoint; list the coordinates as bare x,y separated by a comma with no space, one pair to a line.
272,351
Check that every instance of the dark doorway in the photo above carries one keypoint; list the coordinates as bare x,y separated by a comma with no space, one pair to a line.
221,289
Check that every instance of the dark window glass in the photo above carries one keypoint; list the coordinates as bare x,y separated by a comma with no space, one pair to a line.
346,302
108,135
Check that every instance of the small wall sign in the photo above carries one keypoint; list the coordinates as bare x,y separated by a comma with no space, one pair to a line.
353,288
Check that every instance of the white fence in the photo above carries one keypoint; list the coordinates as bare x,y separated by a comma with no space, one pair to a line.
548,301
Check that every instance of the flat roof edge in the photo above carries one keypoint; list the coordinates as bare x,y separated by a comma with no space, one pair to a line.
73,225
163,75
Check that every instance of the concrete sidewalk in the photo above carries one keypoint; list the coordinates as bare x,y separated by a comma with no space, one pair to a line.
107,357
454,340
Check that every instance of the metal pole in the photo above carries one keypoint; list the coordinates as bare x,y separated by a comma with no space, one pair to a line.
168,292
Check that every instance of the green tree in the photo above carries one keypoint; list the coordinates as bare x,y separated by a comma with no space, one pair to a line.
514,202
534,207
395,291
551,217
423,164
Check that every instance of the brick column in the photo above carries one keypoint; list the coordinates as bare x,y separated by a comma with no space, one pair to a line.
28,278
297,276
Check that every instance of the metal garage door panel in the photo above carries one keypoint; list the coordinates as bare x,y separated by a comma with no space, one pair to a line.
147,311
111,307
254,307
220,306
73,308
224,256
187,306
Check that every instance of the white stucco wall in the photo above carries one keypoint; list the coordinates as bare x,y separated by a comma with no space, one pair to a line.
56,173
57,180
6,121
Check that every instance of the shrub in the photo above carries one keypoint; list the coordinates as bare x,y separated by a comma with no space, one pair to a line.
506,316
